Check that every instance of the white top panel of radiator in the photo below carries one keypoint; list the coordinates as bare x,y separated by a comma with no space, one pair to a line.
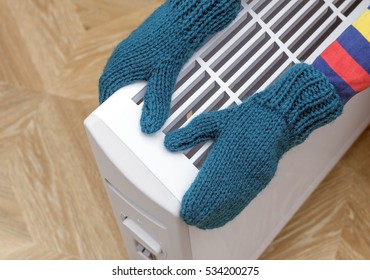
265,39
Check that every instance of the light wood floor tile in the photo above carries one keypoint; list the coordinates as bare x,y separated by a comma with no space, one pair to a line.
16,65
49,30
36,251
94,13
52,189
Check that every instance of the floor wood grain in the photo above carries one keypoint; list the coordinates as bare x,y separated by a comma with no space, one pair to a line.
52,201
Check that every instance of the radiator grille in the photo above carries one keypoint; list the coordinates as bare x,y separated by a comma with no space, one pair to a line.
265,39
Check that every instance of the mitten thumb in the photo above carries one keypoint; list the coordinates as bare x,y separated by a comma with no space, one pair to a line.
157,99
204,127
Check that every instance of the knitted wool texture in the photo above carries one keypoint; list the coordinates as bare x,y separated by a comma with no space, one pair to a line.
158,49
249,141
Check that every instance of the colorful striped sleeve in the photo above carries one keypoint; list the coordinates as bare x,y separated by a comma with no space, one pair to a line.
346,62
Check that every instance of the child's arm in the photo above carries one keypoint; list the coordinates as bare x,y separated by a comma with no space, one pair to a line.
346,62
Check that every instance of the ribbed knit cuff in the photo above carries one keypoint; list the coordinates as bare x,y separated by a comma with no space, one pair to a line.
305,98
197,20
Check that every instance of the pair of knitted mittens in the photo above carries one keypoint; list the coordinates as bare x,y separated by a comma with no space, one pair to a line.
158,49
249,139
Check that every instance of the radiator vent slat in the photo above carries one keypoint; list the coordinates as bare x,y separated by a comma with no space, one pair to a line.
347,11
243,40
272,68
274,11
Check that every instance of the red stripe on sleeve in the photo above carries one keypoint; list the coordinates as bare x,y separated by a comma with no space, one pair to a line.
346,67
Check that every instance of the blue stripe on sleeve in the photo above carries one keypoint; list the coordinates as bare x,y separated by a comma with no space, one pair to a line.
341,87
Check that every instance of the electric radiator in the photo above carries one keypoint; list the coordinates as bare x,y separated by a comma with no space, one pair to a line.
145,183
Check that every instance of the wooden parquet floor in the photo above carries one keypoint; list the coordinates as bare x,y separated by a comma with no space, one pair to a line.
52,202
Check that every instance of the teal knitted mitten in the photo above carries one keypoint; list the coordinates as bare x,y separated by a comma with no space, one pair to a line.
249,141
158,49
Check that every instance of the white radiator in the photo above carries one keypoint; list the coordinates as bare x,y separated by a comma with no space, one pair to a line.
145,183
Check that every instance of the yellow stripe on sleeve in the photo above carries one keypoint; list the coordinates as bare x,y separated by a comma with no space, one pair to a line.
362,24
